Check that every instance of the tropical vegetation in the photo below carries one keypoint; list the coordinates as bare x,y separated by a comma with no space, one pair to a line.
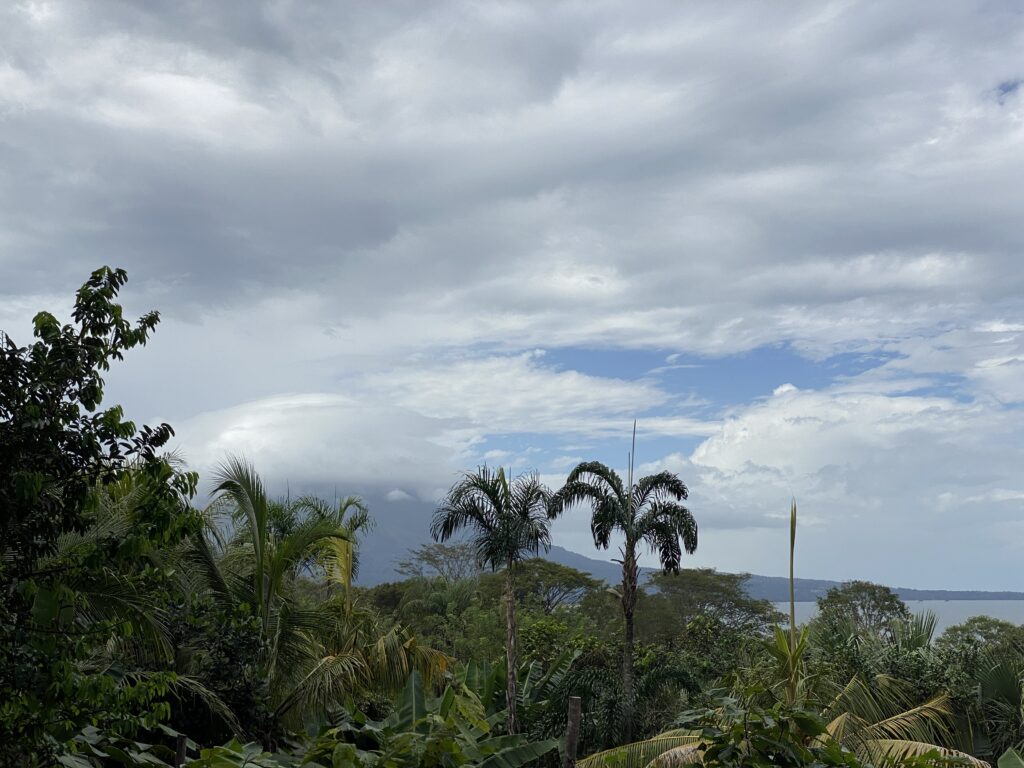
150,616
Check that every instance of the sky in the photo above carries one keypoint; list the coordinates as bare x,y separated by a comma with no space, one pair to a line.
391,241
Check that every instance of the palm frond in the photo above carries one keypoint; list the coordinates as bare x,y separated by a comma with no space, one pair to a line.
854,700
864,716
338,556
195,688
639,754
204,568
916,632
330,680
894,751
507,518
597,474
688,755
238,481
659,487
926,722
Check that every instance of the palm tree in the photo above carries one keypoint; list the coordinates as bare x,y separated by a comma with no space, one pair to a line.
999,709
281,538
317,647
876,718
507,521
646,512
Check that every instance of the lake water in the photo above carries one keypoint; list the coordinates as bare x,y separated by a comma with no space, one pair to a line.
948,612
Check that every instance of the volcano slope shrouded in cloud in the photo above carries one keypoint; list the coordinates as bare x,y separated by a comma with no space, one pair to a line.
395,240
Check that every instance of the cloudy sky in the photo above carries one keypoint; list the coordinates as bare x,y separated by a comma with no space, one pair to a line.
392,240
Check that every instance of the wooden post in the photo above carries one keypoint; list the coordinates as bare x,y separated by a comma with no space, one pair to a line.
572,734
181,749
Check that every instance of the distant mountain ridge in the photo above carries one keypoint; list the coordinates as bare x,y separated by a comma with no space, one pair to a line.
776,588
773,588
403,525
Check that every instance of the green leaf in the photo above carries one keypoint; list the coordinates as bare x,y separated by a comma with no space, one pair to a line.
45,606
446,702
413,706
1011,758
519,756
344,756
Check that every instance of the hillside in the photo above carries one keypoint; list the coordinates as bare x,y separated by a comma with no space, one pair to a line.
405,527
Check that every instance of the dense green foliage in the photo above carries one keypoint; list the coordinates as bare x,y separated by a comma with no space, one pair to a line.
140,628
85,502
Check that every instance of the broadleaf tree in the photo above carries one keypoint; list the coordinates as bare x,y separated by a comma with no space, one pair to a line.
58,448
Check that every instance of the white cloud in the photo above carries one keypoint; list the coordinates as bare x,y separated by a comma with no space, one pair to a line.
483,179
513,394
441,410
309,439
881,481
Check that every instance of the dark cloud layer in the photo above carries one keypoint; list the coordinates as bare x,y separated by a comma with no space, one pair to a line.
281,146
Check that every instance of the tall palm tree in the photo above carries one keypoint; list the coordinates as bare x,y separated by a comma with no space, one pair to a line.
648,511
507,521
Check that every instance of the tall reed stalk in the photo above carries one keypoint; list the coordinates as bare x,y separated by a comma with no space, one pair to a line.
792,581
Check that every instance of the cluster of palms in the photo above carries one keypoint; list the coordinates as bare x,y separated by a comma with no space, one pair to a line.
286,644
876,717
981,706
285,568
508,519
317,650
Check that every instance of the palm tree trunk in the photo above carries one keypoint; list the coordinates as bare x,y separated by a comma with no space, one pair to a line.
629,587
511,652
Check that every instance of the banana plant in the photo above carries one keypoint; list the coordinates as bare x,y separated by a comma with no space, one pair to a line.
238,755
423,732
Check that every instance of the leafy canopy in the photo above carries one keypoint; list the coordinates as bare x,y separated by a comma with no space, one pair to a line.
70,579
870,607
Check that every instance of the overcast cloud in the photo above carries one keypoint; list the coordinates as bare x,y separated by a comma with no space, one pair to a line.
392,240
